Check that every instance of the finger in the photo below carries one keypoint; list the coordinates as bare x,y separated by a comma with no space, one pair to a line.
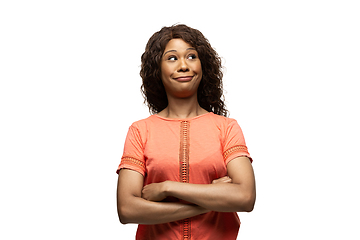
225,179
228,180
218,180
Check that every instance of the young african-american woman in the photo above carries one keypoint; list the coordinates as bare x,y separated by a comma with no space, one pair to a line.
185,170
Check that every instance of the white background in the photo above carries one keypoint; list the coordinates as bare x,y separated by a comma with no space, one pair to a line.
69,90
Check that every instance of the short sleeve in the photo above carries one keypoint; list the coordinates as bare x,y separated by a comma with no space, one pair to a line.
133,156
234,142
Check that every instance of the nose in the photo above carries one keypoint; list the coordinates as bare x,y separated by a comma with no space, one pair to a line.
183,67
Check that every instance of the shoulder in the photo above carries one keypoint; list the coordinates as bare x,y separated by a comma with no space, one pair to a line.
223,122
144,124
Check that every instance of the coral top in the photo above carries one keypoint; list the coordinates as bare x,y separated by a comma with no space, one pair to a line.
194,150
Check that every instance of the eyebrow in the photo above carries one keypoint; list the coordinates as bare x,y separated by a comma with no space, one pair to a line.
176,51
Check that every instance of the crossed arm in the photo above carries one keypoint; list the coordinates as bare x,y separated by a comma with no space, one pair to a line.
138,204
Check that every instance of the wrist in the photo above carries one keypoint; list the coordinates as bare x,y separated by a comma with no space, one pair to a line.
168,187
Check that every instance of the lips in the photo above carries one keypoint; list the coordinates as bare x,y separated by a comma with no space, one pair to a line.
184,79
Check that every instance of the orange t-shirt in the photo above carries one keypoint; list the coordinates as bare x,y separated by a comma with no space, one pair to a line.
194,150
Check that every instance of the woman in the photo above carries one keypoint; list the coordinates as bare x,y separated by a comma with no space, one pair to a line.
185,170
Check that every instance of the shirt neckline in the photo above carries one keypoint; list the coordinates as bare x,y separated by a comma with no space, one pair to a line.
182,119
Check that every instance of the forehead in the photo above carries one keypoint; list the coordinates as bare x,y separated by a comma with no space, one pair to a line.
177,44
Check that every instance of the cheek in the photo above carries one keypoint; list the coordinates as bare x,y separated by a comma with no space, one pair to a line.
165,71
198,69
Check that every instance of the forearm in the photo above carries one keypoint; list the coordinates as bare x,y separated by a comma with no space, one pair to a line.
141,211
223,197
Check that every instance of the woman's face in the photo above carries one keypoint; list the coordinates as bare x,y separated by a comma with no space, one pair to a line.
180,69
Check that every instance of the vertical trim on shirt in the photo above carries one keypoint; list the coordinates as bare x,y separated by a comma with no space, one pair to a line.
184,170
184,151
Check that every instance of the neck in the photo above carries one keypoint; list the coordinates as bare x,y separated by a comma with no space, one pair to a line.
182,108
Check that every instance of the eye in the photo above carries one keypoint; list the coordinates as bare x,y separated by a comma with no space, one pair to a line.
192,56
172,58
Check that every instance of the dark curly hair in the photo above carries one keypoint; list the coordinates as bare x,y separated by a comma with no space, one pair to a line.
210,90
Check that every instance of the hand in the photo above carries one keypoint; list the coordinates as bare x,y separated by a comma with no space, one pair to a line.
225,179
154,192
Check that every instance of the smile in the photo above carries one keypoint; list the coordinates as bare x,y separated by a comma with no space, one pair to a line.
184,79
